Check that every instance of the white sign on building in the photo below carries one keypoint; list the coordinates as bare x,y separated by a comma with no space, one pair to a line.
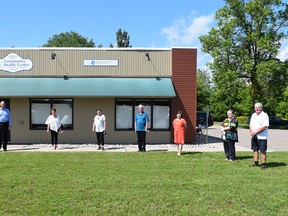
102,62
14,63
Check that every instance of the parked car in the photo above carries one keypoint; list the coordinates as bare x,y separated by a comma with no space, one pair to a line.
273,120
201,119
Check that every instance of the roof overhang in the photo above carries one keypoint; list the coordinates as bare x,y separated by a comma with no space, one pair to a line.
87,87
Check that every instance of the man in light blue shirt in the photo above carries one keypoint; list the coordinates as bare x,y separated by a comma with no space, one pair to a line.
5,125
141,126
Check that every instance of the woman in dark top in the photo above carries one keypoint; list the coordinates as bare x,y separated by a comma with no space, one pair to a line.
230,136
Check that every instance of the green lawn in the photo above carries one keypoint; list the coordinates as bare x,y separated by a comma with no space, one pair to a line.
151,183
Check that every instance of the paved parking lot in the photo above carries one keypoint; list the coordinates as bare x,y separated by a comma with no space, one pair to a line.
277,139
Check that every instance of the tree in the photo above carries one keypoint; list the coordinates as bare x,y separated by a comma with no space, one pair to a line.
244,45
204,89
122,38
69,39
229,93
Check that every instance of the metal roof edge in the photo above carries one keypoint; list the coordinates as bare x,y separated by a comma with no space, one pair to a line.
97,48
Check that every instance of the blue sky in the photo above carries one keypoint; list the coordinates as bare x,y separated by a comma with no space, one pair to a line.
150,23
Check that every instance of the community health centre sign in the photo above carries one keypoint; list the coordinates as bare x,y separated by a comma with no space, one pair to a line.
14,63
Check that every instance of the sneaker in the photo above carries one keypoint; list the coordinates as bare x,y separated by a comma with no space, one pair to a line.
226,159
230,160
102,148
263,167
99,148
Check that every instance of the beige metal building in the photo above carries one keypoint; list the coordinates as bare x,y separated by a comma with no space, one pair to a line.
77,81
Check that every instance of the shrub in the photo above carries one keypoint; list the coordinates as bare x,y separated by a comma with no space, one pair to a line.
242,119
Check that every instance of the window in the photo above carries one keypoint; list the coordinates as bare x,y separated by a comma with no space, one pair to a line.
124,114
40,110
161,115
157,110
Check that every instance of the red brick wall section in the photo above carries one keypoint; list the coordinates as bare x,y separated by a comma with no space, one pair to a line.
184,74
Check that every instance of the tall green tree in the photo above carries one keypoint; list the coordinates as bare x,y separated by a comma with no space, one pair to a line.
282,108
69,39
204,89
229,93
123,38
244,45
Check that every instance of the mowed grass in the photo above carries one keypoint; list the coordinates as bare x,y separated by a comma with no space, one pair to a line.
151,183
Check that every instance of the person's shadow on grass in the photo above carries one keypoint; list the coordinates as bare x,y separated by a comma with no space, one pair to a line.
275,164
243,157
190,153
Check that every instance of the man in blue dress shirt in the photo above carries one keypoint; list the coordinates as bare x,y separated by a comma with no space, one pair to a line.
141,126
5,124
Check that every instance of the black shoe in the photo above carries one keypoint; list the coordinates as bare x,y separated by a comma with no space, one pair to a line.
263,167
99,148
4,149
102,148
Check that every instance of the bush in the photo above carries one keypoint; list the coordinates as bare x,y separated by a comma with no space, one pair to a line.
242,119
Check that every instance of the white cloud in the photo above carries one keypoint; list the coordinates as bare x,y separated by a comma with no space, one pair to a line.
186,30
283,52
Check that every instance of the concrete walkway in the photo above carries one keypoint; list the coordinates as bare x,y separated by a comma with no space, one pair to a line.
277,142
212,147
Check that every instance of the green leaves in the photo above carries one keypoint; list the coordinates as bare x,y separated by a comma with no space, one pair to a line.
244,45
69,39
122,38
204,89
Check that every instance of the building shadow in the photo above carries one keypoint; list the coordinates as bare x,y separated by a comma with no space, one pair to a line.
275,164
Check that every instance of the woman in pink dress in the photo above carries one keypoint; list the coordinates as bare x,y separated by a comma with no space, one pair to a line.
179,125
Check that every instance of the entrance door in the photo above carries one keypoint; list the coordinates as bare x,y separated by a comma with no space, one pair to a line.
7,102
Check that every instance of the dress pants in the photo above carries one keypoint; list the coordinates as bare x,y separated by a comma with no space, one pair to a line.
141,137
226,148
100,138
54,137
231,149
4,132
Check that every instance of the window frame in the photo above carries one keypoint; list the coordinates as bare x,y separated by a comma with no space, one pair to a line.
51,103
135,102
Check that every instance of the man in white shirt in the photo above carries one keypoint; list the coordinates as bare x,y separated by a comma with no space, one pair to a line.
259,124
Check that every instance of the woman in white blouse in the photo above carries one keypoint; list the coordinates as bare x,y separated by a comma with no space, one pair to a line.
99,126
53,123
